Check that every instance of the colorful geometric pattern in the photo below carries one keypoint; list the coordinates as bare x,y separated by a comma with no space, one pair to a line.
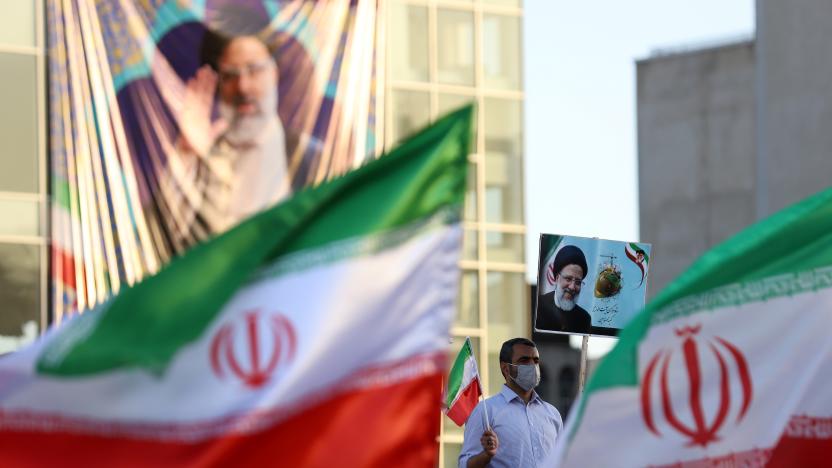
115,68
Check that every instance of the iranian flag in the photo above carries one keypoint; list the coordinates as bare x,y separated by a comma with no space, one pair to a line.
549,244
731,365
312,335
639,257
464,389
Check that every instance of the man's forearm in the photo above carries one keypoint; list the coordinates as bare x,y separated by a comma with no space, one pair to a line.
479,460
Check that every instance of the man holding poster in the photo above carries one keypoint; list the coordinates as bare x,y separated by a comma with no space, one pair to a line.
558,310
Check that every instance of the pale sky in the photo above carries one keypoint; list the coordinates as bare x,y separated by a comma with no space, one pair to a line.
580,116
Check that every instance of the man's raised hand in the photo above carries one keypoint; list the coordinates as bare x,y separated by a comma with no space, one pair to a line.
198,133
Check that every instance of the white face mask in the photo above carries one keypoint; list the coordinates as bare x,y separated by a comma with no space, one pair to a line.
528,376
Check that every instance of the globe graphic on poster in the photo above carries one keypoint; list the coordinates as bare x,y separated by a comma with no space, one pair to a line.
609,280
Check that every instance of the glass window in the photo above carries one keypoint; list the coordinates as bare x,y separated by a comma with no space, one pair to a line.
451,457
411,112
18,124
453,351
19,217
504,3
455,46
408,44
17,23
509,316
467,313
471,194
449,102
470,242
503,161
503,189
20,290
504,247
501,52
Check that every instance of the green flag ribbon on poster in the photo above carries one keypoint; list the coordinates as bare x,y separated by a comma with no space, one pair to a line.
313,334
730,365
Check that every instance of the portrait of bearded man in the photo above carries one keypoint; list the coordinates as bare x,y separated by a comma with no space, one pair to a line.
231,165
558,310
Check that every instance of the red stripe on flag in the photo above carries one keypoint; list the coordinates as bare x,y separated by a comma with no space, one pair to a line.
466,402
806,441
64,266
395,425
753,457
791,452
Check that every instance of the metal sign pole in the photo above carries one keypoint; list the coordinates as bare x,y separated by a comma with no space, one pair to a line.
582,376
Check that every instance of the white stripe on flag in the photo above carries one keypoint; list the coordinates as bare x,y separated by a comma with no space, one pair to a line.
405,293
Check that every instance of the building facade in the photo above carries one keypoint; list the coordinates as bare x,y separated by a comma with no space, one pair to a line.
23,187
729,135
696,153
441,54
793,102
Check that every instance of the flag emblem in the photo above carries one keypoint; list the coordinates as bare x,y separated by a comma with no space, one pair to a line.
263,354
551,274
639,257
726,356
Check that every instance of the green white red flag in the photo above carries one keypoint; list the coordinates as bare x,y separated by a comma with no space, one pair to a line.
313,334
464,387
639,257
730,365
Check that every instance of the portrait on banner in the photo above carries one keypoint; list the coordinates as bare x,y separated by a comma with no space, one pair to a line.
173,121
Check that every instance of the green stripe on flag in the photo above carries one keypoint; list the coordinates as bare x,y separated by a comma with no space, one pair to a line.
458,372
145,325
60,193
793,241
548,247
637,249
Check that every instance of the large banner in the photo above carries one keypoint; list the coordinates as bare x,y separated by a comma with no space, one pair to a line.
589,286
171,121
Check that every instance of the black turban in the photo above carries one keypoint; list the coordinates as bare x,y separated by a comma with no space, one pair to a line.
569,255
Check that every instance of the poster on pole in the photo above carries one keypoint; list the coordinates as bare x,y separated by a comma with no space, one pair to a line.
589,286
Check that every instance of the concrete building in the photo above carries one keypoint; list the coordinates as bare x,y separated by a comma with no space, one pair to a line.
794,101
696,153
730,134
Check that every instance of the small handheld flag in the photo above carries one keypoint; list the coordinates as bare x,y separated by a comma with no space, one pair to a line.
464,388
637,255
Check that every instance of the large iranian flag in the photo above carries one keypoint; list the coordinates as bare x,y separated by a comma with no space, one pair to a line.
312,335
731,365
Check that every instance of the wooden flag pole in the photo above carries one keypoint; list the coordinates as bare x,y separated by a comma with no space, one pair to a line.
582,375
